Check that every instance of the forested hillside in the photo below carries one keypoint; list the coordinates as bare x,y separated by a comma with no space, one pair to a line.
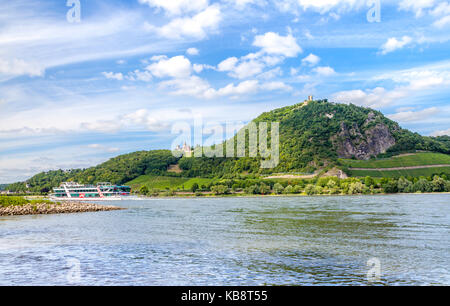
313,135
117,170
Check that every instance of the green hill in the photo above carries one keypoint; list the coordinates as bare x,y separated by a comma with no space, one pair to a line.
314,136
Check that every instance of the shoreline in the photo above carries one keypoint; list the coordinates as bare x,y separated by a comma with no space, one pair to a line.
193,196
66,207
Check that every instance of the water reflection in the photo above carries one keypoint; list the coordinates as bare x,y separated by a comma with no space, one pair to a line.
235,241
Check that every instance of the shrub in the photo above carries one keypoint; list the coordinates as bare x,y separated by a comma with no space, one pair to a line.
289,189
423,185
278,188
310,189
220,189
438,184
264,189
194,187
403,185
144,190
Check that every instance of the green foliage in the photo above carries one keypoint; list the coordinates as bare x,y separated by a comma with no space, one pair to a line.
220,189
144,190
309,136
194,187
423,185
278,188
417,159
399,173
6,201
118,170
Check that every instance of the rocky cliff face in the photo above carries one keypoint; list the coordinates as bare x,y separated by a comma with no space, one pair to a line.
363,142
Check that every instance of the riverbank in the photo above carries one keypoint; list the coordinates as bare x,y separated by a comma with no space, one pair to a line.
244,195
54,208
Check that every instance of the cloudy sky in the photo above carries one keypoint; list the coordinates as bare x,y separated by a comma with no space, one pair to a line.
77,89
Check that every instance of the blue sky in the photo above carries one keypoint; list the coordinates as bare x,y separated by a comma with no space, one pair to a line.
73,94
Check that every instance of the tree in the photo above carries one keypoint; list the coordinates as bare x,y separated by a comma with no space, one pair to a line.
357,188
331,184
390,187
264,189
144,190
403,185
289,189
310,189
369,181
278,188
423,185
438,184
220,189
194,187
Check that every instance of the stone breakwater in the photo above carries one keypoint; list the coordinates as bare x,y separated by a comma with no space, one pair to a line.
55,208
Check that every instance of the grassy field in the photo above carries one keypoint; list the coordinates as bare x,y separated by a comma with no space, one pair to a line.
19,201
399,173
165,182
418,159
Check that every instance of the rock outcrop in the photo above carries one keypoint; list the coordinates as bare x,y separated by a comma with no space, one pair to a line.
55,208
352,142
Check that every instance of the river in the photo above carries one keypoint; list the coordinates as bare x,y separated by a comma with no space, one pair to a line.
400,239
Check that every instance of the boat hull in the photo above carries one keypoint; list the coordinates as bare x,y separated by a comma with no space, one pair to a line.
87,199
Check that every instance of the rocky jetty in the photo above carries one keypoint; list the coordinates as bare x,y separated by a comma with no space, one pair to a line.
54,208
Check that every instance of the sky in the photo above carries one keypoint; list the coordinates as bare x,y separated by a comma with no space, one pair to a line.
84,81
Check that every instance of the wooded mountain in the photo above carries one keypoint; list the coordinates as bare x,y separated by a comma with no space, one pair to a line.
313,135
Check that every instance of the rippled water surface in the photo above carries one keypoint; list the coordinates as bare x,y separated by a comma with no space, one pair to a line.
234,241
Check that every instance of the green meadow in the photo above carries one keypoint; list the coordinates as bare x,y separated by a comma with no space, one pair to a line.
418,159
399,173
166,182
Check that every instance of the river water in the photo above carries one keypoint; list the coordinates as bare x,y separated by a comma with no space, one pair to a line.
399,240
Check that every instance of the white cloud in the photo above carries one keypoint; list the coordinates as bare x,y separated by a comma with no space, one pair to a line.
411,116
393,44
247,69
410,82
103,126
198,68
192,86
197,26
228,64
311,60
442,9
241,4
320,6
436,8
114,76
274,49
137,75
271,74
443,22
324,71
17,67
273,43
176,67
416,6
241,69
277,86
192,51
441,133
246,87
143,117
103,148
177,7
